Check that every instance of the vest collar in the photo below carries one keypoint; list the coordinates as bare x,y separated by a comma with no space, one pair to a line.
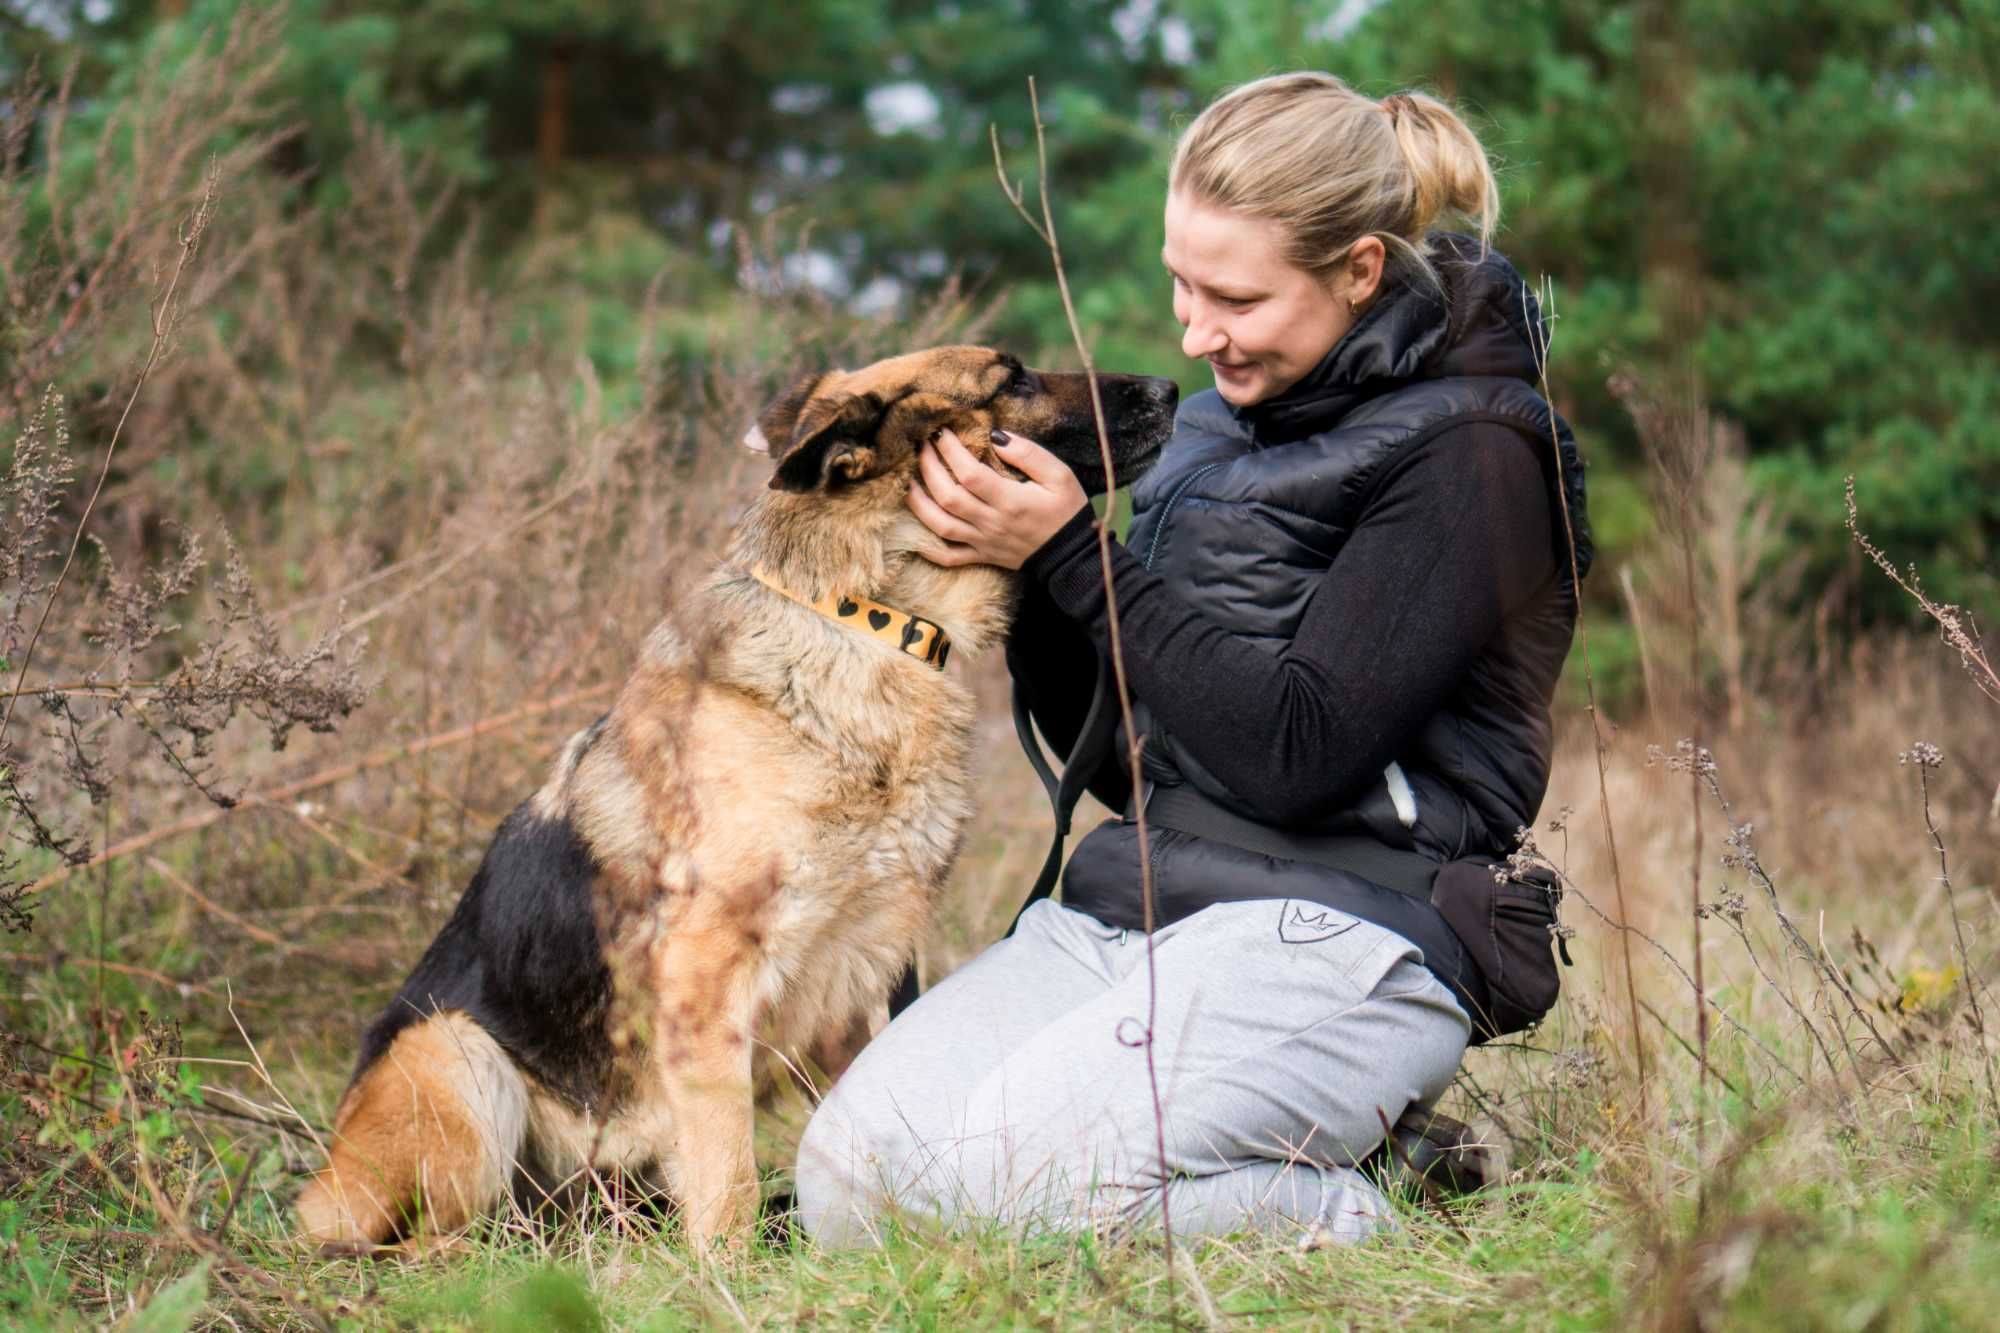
922,639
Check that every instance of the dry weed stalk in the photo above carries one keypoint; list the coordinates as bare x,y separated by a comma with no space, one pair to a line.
1541,333
165,319
1045,229
1925,757
1681,442
1529,856
77,244
1955,623
230,673
275,796
1743,854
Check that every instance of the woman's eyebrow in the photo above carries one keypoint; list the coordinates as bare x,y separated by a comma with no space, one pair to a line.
1218,291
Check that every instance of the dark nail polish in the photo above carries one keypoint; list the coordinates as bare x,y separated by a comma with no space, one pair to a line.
1001,437
932,438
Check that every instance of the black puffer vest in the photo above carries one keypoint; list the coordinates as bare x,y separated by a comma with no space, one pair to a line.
1245,513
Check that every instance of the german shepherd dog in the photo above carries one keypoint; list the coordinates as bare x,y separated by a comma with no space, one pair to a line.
732,867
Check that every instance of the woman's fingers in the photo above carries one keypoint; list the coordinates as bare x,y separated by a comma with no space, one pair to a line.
981,481
1043,468
948,554
983,516
951,485
939,519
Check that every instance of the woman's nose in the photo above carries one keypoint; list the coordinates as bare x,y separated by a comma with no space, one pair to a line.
1202,338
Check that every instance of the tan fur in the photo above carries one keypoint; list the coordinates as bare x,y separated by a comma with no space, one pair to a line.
417,1142
775,803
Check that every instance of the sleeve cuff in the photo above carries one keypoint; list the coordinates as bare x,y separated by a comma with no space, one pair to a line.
1070,541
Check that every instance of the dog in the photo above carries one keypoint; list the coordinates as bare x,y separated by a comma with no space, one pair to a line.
728,871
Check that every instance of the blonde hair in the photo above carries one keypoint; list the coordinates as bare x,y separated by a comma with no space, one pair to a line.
1331,166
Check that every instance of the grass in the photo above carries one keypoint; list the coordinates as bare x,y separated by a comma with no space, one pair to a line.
1817,1205
1894,1230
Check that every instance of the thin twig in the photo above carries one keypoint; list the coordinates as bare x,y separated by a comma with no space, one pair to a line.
1541,337
1740,839
1682,1042
176,984
1826,1053
1927,757
1953,622
1626,929
221,1228
1694,853
256,932
1046,230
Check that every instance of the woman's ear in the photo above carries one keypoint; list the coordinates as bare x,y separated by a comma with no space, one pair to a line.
1366,260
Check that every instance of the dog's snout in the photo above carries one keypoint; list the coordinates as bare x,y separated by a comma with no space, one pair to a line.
1148,395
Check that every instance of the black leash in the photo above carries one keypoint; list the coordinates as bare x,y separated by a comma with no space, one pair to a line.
1093,742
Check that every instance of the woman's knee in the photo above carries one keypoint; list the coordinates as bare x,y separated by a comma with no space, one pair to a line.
858,1143
827,1176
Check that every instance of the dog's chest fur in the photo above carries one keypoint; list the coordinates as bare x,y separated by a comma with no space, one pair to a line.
786,802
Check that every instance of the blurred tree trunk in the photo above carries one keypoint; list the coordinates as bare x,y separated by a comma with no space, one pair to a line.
1674,425
552,128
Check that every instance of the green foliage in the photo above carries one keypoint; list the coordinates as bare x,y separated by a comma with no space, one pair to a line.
551,1299
1834,181
176,1306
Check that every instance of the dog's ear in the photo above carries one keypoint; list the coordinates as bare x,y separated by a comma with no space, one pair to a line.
771,433
832,438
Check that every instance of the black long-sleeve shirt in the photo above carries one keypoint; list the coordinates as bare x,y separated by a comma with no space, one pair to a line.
1456,538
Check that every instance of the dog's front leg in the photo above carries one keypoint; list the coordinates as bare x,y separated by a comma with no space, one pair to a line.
715,1169
706,1024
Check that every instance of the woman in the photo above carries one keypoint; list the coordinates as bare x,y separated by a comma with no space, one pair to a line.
1345,600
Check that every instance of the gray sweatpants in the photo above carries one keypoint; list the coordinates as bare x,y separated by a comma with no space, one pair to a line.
1016,1089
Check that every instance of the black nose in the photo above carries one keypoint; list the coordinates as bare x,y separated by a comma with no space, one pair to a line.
1148,394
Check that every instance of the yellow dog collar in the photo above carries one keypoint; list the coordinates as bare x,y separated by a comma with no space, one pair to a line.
922,639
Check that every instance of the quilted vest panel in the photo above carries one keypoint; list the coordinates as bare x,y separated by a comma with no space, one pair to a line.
1246,529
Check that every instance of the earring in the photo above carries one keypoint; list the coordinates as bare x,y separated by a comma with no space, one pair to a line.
1353,308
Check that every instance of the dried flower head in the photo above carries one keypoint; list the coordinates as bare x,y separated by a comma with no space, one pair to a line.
1688,758
1730,907
1923,754
1577,1067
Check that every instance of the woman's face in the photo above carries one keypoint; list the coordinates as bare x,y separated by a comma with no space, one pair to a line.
1260,321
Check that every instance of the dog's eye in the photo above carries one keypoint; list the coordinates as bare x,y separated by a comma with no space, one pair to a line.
1021,383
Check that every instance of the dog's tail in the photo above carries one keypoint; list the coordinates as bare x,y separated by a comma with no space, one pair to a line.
425,1140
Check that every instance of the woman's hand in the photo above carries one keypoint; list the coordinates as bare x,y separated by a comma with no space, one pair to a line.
982,517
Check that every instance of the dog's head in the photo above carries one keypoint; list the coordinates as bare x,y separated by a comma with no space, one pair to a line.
836,429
